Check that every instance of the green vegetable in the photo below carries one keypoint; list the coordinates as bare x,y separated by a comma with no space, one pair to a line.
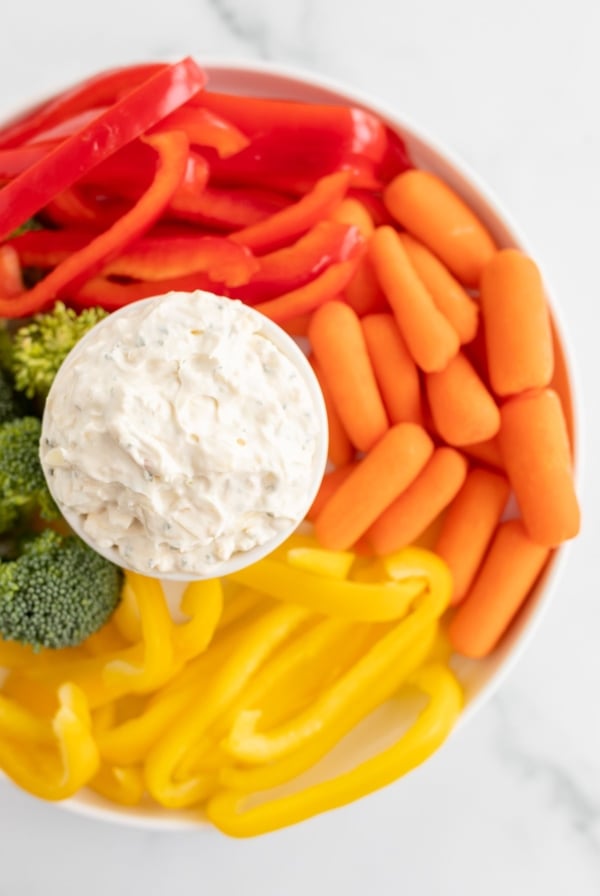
40,347
9,403
23,489
57,593
25,227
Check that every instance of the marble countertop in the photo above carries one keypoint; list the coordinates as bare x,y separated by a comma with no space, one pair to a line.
512,804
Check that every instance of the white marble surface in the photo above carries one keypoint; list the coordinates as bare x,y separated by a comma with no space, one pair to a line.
512,805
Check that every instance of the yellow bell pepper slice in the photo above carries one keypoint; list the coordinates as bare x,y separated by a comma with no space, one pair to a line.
265,777
330,564
203,602
163,761
226,809
361,602
123,786
77,759
246,744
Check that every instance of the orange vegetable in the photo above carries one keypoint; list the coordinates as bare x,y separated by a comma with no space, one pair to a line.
352,211
395,370
447,293
510,569
329,485
536,451
363,293
391,465
488,452
463,410
310,296
339,346
416,508
431,339
433,213
469,525
517,324
341,450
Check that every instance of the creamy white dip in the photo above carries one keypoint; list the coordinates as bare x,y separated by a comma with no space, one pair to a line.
180,434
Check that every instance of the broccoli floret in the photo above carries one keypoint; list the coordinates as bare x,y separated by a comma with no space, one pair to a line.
23,488
40,347
57,593
10,407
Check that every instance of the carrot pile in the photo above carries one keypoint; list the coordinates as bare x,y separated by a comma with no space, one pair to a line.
433,346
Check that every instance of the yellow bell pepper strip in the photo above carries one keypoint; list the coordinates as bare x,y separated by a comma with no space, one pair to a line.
293,671
108,639
203,602
428,732
330,564
260,640
37,697
18,656
244,601
411,561
127,615
16,722
348,600
137,669
246,744
265,777
124,786
77,760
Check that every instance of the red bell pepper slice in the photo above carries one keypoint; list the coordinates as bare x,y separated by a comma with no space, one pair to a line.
356,130
73,208
101,89
15,161
396,158
226,209
172,148
161,258
307,298
110,296
11,279
290,222
279,272
130,117
205,128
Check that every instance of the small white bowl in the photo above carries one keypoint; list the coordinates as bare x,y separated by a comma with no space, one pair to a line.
290,349
478,678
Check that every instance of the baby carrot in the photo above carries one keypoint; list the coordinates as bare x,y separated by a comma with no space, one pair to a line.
535,447
463,410
389,468
297,326
329,485
433,213
509,570
341,450
453,301
413,511
352,211
488,452
518,334
363,293
395,370
469,525
339,346
431,339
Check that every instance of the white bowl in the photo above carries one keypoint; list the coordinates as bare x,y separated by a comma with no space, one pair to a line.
479,678
291,351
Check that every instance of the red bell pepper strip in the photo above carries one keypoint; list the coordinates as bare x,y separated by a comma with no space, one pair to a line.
15,161
204,128
73,208
130,117
172,148
396,158
11,280
163,258
290,222
149,258
226,209
356,130
279,272
301,301
65,128
98,90
110,296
